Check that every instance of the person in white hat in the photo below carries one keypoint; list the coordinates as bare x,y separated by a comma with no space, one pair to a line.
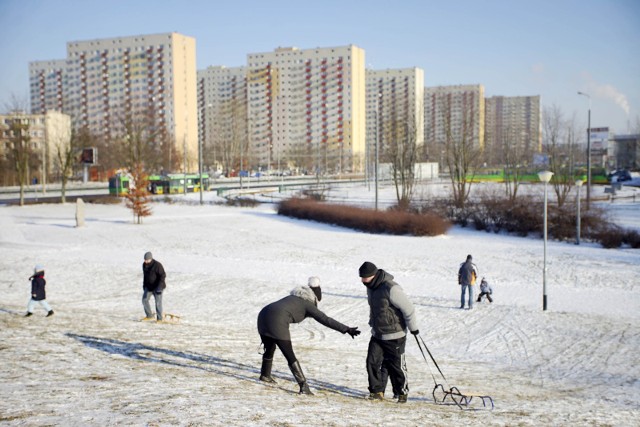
38,294
273,327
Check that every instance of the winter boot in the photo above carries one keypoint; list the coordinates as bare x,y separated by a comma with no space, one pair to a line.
402,398
50,313
376,396
28,314
265,371
296,370
490,299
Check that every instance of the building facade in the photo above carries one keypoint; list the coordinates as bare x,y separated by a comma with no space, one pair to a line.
512,125
107,83
222,113
395,109
306,109
44,135
453,112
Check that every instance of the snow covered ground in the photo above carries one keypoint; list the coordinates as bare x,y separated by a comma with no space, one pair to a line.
93,363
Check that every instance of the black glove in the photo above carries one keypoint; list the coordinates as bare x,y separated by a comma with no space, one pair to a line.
416,332
354,332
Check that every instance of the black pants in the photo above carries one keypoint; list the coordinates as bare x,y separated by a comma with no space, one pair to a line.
389,355
485,293
285,347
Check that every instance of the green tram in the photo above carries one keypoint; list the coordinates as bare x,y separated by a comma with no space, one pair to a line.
119,185
173,183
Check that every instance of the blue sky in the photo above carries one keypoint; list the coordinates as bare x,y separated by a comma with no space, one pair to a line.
551,48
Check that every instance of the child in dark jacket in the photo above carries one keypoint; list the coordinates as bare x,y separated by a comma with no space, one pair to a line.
485,289
38,295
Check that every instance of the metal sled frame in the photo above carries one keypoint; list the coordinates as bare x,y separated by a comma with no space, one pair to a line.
462,400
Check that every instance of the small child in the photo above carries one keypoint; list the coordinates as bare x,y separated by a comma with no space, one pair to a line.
485,289
38,294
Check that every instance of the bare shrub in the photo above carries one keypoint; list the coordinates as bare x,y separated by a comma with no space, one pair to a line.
392,222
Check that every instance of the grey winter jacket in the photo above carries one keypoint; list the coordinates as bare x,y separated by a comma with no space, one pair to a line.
390,311
468,273
275,318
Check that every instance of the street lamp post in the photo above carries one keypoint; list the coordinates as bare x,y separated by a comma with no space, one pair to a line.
588,151
578,184
201,110
545,177
377,153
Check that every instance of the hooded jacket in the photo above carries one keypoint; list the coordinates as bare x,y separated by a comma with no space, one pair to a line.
154,275
275,318
468,273
390,311
37,286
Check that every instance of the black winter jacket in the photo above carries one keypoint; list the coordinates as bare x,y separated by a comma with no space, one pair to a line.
275,318
154,275
37,286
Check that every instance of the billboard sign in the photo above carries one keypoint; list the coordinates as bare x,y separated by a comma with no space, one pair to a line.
599,140
89,156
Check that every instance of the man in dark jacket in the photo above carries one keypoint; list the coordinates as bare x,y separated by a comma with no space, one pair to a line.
152,284
273,327
390,314
467,275
38,294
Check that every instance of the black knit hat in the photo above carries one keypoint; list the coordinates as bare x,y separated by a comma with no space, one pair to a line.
367,269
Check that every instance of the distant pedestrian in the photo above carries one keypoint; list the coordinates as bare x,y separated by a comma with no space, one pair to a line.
153,283
390,315
485,290
273,327
38,294
467,275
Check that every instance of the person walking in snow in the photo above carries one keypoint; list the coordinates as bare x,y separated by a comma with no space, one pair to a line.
273,327
390,314
485,289
38,294
467,275
153,283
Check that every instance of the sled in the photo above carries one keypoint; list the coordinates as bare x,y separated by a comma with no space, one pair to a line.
463,400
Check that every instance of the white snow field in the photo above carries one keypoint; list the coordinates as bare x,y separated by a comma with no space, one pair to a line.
94,364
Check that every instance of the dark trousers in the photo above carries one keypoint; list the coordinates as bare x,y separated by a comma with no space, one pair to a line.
483,294
387,355
285,347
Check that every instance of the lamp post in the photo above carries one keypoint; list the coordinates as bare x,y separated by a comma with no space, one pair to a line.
377,153
545,177
588,150
578,184
201,110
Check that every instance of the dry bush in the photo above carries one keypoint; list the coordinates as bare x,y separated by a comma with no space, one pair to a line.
632,238
391,222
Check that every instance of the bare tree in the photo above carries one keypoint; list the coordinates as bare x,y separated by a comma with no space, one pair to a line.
514,156
561,146
20,149
399,137
462,152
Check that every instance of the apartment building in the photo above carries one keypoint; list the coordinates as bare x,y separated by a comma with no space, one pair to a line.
395,109
45,134
512,125
47,81
106,83
306,108
456,112
222,113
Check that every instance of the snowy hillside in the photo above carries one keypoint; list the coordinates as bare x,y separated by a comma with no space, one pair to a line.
94,363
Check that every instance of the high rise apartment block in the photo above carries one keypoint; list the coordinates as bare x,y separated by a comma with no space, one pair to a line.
395,108
222,112
453,112
512,124
105,83
307,108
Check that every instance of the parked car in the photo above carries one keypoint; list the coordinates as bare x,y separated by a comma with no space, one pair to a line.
619,176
